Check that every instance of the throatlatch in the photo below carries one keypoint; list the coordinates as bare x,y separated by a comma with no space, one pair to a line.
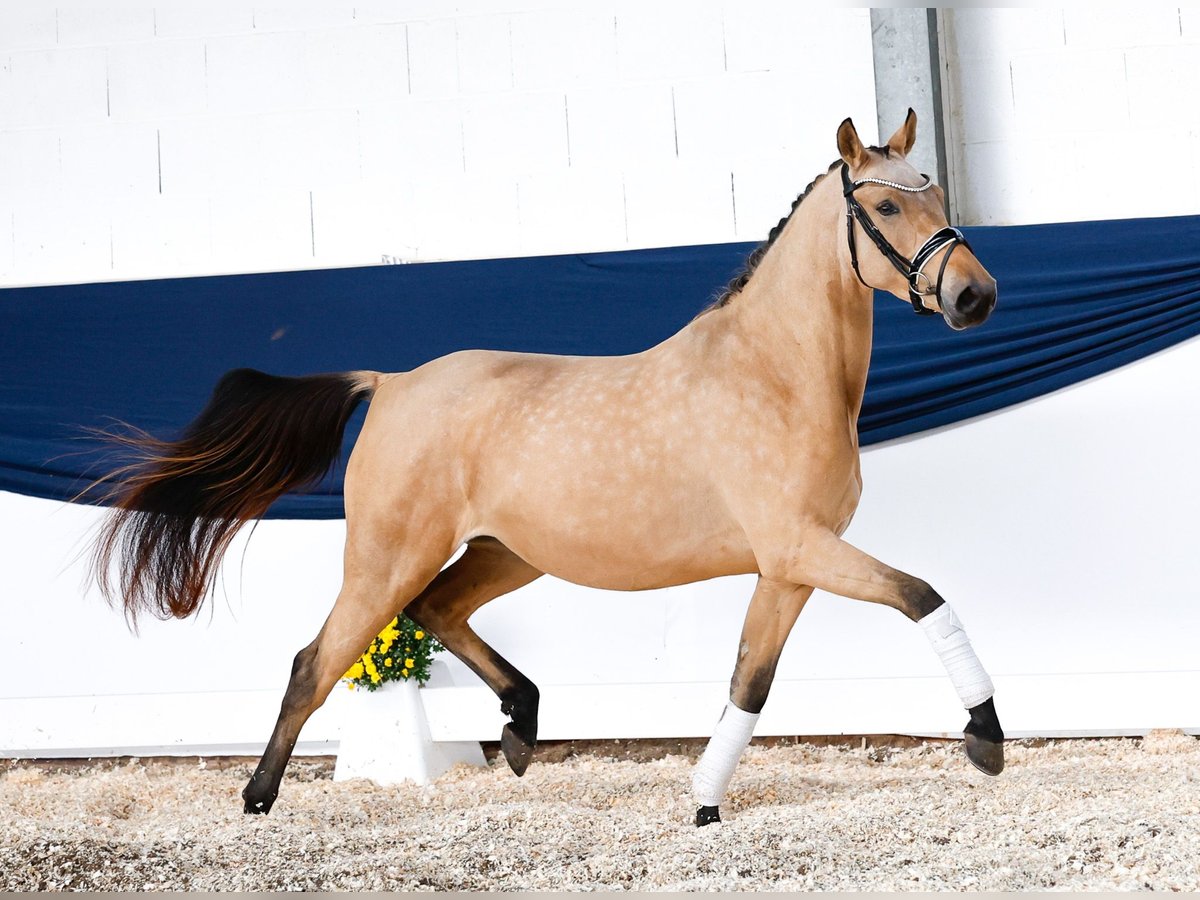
919,284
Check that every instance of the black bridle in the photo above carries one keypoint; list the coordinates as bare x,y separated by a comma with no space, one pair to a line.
919,284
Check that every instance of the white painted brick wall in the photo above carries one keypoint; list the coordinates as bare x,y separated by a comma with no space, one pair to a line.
678,203
659,42
202,20
27,27
107,161
257,73
483,46
142,142
433,58
415,139
43,88
1054,112
157,80
563,48
515,134
161,236
90,26
620,127
262,229
571,209
365,65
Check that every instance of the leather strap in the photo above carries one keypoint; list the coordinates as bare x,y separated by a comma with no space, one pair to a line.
947,239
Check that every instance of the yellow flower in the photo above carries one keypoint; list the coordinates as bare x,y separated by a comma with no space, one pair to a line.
419,635
409,663
375,679
355,671
404,672
388,662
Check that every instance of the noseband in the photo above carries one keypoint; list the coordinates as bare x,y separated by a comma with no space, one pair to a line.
919,284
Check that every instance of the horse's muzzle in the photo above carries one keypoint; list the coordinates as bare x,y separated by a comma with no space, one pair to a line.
972,306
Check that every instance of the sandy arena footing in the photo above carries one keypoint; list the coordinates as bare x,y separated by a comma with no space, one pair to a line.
1083,814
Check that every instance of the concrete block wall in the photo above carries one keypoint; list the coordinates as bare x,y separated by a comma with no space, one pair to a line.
157,142
1072,114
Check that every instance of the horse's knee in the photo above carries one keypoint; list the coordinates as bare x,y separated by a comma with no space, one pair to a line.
916,599
750,688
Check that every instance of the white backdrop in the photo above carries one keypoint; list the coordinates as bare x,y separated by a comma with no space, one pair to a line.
139,144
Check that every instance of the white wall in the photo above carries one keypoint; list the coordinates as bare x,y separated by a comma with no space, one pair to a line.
160,142
1062,115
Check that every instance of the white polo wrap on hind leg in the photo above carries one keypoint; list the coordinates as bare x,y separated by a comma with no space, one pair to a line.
715,769
953,647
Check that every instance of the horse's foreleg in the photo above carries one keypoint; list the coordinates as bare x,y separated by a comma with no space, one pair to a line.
485,571
828,562
366,603
769,619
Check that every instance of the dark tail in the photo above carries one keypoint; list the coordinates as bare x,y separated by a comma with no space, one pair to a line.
176,509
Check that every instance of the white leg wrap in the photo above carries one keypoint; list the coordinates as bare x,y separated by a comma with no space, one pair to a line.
953,647
715,769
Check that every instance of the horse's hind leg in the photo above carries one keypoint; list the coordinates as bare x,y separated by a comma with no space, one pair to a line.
486,570
370,597
772,613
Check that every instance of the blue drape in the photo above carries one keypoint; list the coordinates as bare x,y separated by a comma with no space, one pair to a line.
1075,300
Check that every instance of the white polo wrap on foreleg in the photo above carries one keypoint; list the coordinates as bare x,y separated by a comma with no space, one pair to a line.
715,769
953,647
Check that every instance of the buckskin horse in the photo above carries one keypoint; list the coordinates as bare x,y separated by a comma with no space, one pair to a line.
731,447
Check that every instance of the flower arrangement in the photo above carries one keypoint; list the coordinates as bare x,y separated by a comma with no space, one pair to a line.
400,652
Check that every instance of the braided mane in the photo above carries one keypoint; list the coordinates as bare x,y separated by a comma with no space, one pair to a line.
743,277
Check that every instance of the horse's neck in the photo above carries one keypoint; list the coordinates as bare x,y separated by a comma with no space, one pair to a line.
804,316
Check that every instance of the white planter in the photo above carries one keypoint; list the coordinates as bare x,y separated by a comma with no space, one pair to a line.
385,737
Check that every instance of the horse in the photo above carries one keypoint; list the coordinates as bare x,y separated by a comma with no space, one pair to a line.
729,448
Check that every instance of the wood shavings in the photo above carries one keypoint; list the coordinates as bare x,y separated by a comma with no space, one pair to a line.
1088,814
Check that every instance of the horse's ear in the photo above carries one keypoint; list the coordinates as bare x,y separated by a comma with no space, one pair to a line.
849,146
906,135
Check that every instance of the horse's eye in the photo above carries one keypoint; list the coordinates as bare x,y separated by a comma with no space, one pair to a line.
887,208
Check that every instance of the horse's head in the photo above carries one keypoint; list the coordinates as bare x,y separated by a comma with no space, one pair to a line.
898,239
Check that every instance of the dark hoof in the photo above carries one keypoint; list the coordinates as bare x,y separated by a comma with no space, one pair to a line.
987,756
257,802
706,815
516,750
257,807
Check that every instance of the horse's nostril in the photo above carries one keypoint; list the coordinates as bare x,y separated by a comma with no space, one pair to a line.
974,301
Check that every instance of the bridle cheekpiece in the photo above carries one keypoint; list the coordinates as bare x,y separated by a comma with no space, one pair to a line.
919,284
